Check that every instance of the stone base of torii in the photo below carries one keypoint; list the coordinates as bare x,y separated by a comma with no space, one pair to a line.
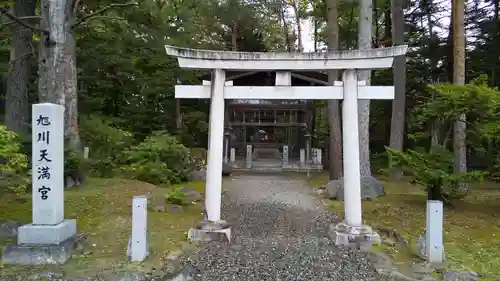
350,90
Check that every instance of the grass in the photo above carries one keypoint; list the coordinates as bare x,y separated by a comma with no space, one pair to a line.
103,209
471,228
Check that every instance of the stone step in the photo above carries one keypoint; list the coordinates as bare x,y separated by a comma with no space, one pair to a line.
266,153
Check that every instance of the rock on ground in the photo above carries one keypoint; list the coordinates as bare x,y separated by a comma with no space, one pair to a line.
421,250
371,189
279,233
9,228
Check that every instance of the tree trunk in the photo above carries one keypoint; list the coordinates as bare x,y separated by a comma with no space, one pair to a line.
436,125
286,30
57,66
178,115
296,9
335,167
364,42
315,36
16,98
399,74
459,133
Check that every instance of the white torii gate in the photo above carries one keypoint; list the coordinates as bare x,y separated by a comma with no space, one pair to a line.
349,90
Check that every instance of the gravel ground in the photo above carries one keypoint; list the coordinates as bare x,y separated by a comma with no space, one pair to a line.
279,233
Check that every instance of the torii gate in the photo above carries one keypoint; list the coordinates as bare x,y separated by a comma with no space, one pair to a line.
349,90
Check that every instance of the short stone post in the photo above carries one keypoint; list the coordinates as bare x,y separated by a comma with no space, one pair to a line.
285,155
49,239
249,156
138,245
232,156
319,156
226,147
86,151
302,156
434,232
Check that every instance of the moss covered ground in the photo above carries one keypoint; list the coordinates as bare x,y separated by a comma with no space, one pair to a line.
103,209
471,227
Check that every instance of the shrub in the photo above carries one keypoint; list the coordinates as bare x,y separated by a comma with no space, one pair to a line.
75,166
198,158
159,159
14,165
105,142
434,171
176,195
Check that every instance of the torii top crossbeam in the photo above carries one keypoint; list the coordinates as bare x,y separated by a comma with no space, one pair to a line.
349,59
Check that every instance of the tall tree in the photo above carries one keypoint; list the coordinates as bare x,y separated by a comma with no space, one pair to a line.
399,74
364,42
21,53
57,58
459,132
57,63
333,105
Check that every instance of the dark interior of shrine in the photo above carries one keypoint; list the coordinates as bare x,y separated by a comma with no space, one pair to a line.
270,123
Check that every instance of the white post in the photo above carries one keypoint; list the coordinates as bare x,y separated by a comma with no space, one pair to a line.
302,156
48,226
314,154
285,155
350,139
86,151
216,141
319,156
232,155
434,232
249,156
139,244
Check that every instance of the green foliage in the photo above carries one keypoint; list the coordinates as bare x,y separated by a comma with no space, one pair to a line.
453,100
105,142
445,103
75,164
432,170
14,165
177,196
159,159
194,129
198,157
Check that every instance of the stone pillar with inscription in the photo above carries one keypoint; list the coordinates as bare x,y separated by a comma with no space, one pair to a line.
50,238
226,152
285,155
249,157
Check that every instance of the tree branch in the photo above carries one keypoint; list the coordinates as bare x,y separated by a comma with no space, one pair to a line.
15,19
2,26
103,10
102,17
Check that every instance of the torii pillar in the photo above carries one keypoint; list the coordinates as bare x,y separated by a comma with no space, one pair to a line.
350,90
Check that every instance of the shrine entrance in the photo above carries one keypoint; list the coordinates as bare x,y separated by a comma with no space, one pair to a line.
268,130
270,134
282,68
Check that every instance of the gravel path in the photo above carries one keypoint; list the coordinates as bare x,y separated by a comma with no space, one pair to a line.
279,233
